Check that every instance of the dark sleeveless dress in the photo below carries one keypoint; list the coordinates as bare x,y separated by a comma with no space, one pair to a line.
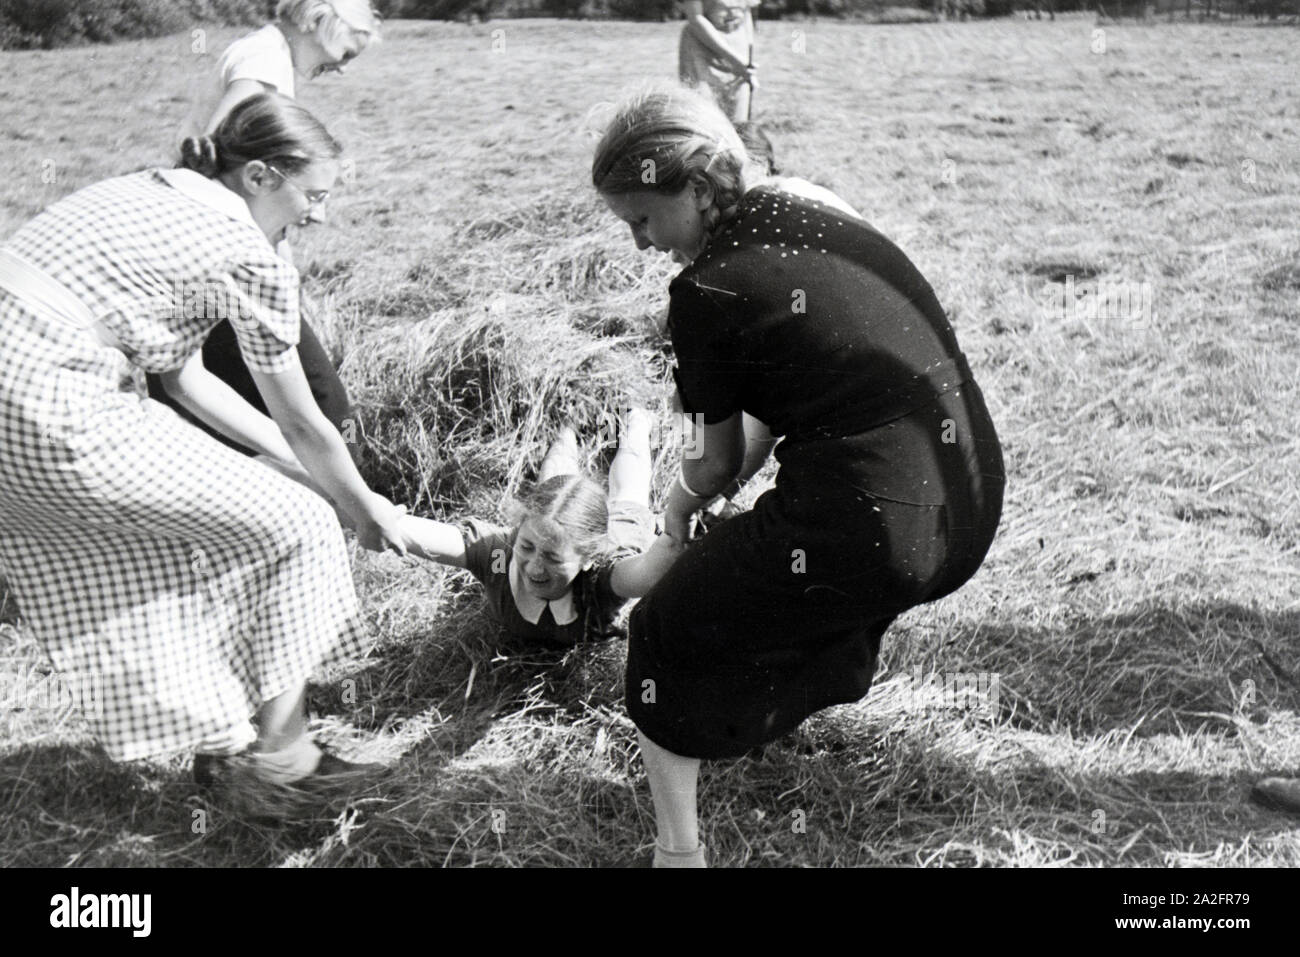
888,494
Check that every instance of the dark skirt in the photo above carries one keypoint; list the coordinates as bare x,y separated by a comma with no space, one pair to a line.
779,612
221,357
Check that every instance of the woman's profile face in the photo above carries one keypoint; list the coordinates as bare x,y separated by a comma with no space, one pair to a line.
278,200
670,222
333,56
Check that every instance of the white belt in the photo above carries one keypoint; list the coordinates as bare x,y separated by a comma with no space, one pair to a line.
50,297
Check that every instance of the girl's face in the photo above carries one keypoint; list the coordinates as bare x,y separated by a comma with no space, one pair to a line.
277,200
547,562
670,222
727,17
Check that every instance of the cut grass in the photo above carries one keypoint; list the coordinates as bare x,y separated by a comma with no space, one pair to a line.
1139,606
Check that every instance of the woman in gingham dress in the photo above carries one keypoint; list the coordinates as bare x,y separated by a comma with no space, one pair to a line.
189,586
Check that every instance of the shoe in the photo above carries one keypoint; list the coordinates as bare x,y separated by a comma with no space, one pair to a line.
257,800
233,782
210,769
334,774
1278,794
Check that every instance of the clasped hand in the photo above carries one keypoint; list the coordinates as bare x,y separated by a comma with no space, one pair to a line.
379,527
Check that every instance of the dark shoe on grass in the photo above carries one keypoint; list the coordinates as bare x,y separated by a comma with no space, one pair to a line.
257,800
233,782
210,769
336,776
1278,794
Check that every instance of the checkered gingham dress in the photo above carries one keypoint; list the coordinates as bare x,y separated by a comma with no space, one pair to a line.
182,581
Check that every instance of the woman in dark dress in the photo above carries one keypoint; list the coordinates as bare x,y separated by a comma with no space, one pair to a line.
890,482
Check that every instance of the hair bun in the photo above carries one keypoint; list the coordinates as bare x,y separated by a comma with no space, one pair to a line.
200,154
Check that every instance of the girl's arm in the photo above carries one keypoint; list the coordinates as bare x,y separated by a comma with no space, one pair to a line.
709,35
721,449
436,541
235,94
633,577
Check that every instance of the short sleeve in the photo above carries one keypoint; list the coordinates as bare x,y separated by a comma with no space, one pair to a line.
487,548
257,58
605,595
603,604
710,374
261,302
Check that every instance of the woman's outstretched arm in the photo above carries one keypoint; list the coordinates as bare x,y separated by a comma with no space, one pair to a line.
633,577
321,450
720,455
214,403
759,443
297,437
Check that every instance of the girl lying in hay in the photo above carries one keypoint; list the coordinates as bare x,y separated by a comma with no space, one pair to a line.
574,555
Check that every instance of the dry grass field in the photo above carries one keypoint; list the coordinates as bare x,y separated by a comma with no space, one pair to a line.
1140,609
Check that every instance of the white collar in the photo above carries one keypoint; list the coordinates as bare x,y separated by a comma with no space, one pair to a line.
211,193
530,607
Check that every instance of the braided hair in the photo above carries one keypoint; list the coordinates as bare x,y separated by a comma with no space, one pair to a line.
666,137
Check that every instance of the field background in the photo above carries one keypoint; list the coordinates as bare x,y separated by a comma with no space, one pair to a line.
1139,607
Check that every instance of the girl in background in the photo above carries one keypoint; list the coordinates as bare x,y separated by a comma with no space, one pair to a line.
714,52
890,483
309,38
575,555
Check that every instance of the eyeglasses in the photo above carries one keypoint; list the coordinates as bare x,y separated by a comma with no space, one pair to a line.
314,197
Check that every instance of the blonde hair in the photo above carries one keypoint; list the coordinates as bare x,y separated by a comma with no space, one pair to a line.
573,503
327,19
665,137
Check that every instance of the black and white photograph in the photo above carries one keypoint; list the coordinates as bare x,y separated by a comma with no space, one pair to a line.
639,434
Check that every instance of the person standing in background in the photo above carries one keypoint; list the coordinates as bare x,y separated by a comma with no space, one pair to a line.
716,51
